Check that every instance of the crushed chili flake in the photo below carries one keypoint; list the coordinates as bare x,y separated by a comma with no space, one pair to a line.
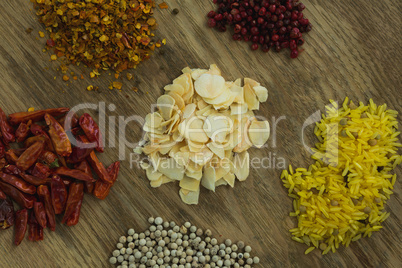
31,109
66,78
129,76
29,30
41,34
117,85
163,5
113,34
53,57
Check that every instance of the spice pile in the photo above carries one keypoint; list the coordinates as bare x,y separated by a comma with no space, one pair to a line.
341,197
202,131
166,244
277,24
104,35
45,175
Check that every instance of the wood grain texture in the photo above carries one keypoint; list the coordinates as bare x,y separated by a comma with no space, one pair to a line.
353,50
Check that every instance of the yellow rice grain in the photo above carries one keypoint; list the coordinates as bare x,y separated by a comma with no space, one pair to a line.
346,170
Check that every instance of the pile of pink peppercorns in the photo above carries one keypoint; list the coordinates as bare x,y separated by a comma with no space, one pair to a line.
276,24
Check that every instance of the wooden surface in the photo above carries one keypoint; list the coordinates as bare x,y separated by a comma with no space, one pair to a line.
353,50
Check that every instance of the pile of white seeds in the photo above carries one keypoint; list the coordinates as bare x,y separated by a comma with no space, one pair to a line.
168,245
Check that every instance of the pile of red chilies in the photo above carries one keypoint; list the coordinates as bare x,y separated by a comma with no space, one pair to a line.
45,174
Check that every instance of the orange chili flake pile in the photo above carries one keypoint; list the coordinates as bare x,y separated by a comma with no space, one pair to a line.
103,34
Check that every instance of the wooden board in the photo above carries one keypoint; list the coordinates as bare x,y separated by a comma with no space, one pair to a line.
353,50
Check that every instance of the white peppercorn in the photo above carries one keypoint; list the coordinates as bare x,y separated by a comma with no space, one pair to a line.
119,246
219,263
123,251
214,241
158,220
131,245
116,253
129,251
240,244
141,236
129,239
247,249
120,258
250,261
227,263
131,258
113,260
256,260
131,232
246,255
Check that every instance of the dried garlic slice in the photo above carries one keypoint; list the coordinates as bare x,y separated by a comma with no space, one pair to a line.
259,133
202,131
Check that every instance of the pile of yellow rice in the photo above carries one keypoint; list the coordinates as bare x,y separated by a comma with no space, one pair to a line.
341,197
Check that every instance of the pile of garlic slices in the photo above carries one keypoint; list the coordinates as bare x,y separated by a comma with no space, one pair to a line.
201,131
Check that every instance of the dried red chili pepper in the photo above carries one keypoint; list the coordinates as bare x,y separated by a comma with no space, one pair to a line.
50,159
84,166
73,173
11,156
31,140
30,155
79,154
18,183
37,130
74,121
41,171
74,202
58,194
40,214
7,216
92,131
21,221
17,118
2,149
7,131
102,188
12,169
96,165
44,195
58,136
35,231
24,200
22,132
